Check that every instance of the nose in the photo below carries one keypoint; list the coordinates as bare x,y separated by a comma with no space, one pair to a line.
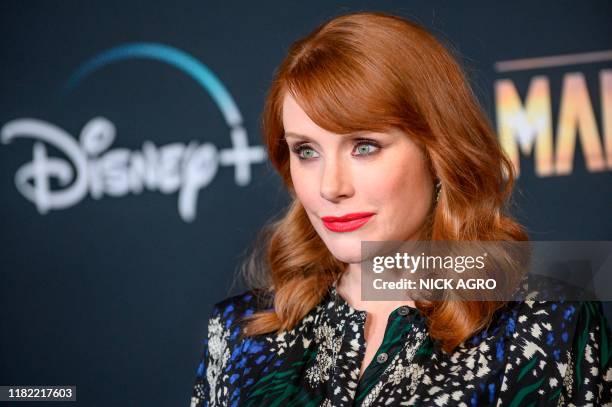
336,180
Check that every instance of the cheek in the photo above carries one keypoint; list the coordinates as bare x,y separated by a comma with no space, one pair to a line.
304,183
400,184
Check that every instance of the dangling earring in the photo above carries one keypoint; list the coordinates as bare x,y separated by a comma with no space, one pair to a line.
438,188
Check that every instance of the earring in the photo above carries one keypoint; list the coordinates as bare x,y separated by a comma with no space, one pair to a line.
438,188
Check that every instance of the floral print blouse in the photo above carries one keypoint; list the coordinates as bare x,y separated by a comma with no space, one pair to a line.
534,353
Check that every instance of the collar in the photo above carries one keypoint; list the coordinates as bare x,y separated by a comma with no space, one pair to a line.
340,311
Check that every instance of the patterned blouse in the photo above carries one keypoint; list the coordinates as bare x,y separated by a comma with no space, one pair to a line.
533,353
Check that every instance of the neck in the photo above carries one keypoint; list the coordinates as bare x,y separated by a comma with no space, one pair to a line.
349,287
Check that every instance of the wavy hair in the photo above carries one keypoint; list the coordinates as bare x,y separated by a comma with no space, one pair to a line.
374,71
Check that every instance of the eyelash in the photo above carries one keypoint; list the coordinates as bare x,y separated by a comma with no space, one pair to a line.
299,147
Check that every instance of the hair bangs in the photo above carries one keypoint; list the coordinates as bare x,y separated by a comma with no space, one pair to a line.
340,93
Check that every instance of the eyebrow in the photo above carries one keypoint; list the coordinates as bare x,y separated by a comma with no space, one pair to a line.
304,137
301,136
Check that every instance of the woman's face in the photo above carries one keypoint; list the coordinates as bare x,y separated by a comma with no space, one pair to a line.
384,174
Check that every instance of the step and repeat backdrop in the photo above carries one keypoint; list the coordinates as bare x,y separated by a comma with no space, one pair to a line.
133,176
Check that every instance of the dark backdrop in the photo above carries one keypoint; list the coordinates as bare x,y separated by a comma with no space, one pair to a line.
108,286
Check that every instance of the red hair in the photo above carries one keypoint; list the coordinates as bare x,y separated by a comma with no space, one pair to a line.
374,71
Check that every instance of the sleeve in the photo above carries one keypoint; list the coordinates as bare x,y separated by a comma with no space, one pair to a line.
201,390
588,376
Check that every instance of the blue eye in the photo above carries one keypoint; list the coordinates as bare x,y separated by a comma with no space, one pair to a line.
302,148
364,147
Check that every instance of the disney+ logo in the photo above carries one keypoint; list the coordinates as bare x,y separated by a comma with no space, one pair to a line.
100,171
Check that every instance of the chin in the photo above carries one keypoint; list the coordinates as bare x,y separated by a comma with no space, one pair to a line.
344,248
347,254
348,259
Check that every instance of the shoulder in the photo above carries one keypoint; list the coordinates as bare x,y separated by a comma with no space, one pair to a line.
226,314
221,347
248,301
529,327
559,314
544,330
542,306
553,322
224,324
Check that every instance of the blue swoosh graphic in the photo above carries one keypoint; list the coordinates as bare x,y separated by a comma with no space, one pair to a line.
172,56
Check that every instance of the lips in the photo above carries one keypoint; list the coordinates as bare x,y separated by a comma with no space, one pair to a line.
346,223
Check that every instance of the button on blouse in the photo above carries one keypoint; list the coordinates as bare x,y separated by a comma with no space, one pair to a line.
399,328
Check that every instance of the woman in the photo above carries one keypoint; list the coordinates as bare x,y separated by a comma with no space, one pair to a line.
377,135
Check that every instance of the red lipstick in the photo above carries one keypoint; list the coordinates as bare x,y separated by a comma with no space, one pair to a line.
346,223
